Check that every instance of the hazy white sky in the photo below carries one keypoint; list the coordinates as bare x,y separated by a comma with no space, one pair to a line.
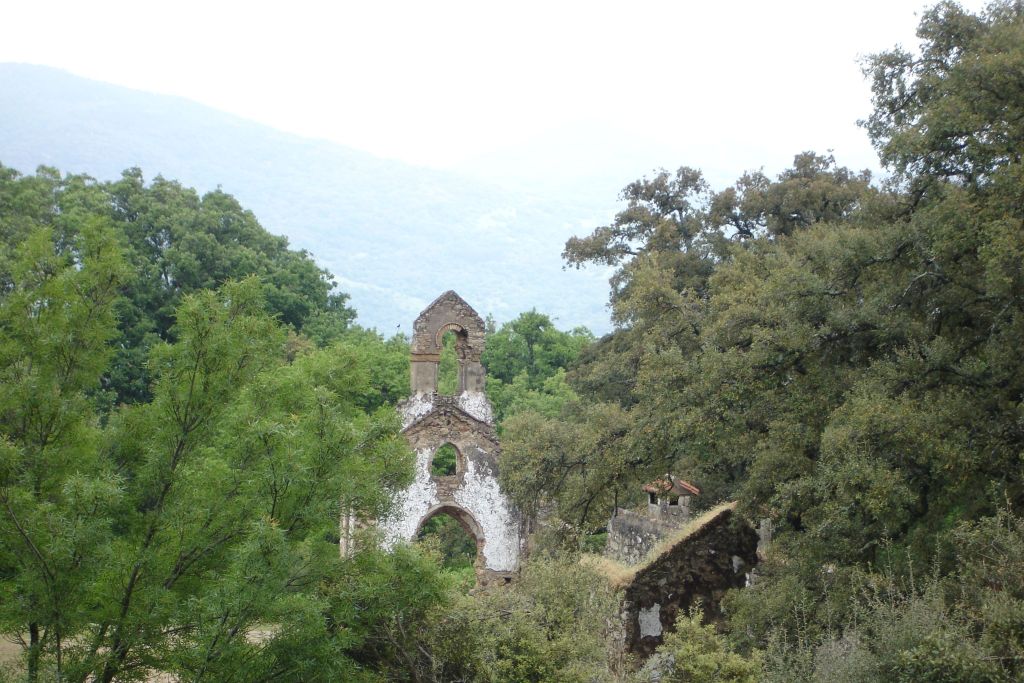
439,83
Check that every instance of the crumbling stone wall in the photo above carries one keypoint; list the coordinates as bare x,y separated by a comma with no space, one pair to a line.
715,557
632,535
471,495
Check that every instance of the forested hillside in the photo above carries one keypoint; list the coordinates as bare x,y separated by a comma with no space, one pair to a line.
394,234
188,407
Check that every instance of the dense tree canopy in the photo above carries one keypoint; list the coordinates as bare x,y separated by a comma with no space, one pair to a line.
161,541
526,360
175,242
162,534
840,355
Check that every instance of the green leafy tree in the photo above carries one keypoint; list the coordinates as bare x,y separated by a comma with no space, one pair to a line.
448,366
813,190
839,356
547,399
395,610
951,110
385,360
580,462
663,229
696,653
444,462
455,545
942,628
195,519
248,487
531,344
672,245
553,624
526,360
176,242
56,495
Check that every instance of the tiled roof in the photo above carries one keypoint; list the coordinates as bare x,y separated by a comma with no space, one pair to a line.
673,485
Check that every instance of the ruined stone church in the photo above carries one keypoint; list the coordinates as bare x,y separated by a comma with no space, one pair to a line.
464,422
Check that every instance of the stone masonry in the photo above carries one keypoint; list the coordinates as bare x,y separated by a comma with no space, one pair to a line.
632,534
697,569
471,495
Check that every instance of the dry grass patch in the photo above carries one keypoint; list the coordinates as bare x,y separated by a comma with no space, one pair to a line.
617,574
9,652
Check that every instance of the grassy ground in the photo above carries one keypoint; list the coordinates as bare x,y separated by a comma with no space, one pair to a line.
9,654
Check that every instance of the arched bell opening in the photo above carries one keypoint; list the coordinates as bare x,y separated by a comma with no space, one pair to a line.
448,313
453,343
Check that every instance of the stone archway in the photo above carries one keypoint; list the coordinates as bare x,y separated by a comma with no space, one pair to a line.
459,330
465,520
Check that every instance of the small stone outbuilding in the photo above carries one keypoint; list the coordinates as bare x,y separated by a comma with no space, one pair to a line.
632,534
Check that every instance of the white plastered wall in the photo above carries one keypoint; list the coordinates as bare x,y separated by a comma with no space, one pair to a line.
478,494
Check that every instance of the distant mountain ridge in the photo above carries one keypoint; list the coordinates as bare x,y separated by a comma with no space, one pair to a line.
394,235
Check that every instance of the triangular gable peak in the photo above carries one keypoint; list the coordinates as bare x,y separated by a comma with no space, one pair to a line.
448,312
446,416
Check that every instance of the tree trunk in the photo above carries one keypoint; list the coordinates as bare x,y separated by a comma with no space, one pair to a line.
33,652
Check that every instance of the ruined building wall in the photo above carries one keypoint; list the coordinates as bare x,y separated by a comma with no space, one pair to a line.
448,312
631,535
715,557
473,489
471,495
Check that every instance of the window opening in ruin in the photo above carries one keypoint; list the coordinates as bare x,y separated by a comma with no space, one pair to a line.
445,461
652,498
456,546
673,500
448,368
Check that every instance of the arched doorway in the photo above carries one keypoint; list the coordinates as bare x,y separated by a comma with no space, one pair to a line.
458,537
